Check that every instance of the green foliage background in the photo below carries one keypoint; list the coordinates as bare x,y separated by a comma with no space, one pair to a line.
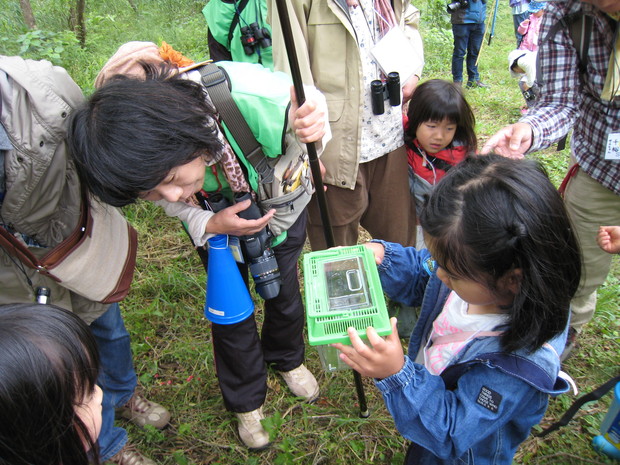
171,338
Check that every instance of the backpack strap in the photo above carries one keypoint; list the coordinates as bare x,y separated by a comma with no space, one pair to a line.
463,336
570,413
216,81
233,24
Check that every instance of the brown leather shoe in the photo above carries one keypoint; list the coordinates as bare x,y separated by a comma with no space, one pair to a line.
129,455
480,84
141,411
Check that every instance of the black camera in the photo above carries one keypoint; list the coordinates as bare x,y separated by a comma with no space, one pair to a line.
256,248
253,37
381,91
454,6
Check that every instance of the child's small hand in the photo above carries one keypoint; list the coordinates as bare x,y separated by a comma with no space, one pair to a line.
377,249
385,358
608,238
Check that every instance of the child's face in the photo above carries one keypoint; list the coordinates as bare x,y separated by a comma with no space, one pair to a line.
539,13
89,411
434,136
181,183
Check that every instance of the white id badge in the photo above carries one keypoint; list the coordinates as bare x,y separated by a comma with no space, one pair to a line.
612,151
394,52
235,247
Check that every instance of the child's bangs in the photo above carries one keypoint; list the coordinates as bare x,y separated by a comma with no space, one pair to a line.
438,113
451,253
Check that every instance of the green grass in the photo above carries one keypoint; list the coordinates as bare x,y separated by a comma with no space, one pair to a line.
164,311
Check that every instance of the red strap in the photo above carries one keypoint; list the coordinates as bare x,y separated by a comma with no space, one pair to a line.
572,171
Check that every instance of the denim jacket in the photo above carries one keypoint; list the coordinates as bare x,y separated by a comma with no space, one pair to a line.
486,410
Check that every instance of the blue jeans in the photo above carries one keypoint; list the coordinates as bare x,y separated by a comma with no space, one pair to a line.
467,39
117,378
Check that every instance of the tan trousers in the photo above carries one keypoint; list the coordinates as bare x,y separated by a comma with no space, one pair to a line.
380,203
589,206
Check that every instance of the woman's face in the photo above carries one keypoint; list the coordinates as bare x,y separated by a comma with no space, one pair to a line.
181,183
434,136
89,411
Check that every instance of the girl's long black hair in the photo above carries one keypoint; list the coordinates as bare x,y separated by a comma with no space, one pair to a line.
490,215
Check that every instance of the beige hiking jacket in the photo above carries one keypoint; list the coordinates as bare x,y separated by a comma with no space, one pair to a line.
327,51
42,198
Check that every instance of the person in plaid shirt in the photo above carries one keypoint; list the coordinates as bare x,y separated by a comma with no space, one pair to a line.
588,103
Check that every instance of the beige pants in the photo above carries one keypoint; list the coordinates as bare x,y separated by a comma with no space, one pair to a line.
380,203
590,205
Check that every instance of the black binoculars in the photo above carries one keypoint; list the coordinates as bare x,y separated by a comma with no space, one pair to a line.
256,248
381,91
254,36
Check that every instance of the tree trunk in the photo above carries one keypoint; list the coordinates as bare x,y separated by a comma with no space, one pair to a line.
27,12
76,21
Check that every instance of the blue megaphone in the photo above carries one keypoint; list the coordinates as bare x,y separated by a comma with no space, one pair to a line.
228,299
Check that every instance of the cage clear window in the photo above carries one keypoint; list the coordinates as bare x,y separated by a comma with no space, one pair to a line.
347,285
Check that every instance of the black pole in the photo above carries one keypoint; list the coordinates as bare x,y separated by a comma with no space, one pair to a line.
289,43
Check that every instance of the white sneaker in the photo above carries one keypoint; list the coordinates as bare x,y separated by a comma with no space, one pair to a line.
251,430
302,383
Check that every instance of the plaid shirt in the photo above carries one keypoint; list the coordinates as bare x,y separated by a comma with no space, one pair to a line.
567,103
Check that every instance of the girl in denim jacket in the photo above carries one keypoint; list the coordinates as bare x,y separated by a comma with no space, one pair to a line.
483,357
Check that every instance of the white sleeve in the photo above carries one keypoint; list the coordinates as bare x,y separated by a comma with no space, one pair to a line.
195,218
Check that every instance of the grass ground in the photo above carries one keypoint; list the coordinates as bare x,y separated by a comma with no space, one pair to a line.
171,338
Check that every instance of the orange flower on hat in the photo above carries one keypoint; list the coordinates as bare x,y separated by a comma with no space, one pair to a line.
171,55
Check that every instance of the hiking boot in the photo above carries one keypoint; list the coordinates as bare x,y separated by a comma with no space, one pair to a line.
571,344
302,383
251,429
480,84
129,455
141,411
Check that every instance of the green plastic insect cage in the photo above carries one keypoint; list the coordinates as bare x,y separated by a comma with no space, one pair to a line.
342,290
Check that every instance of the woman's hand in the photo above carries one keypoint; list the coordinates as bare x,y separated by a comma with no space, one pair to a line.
308,121
228,222
385,357
409,88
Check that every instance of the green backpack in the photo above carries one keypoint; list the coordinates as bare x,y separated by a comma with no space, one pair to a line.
253,102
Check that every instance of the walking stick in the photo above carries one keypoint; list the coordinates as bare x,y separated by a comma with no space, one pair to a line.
289,43
492,33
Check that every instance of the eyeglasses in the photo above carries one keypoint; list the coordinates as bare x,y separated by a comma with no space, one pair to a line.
211,158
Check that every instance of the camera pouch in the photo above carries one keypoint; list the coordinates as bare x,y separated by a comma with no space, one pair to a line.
290,190
96,260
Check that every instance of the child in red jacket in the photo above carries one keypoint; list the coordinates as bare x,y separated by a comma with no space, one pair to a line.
439,132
